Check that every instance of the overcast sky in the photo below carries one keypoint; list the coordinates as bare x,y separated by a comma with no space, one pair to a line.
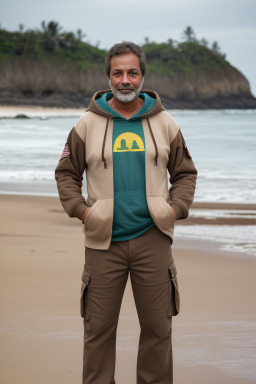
230,22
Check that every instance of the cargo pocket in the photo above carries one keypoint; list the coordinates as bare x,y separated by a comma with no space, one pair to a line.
85,297
174,296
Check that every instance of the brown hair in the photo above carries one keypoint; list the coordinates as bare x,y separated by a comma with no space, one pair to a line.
126,47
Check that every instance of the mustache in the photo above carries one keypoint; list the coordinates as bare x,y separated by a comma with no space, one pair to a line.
125,87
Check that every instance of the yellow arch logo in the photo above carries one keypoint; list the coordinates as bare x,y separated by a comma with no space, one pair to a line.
128,141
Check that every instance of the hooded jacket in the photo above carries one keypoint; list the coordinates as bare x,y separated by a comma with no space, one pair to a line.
131,215
165,150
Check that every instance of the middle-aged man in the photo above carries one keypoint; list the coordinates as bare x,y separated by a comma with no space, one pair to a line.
126,142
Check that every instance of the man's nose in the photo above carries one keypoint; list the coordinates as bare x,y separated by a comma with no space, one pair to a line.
125,79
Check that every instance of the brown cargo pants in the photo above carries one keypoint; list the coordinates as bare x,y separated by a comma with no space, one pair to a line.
149,260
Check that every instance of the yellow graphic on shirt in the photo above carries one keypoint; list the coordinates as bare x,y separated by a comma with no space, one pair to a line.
128,141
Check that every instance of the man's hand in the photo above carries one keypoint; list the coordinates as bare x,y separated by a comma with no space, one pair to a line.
85,213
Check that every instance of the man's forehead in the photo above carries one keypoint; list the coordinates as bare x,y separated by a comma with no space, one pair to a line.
125,61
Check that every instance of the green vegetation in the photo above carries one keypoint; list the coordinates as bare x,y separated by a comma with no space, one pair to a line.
51,43
172,56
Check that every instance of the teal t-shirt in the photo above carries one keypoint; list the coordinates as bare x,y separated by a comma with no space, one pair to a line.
131,214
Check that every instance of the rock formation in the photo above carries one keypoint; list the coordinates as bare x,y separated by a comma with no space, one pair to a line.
50,83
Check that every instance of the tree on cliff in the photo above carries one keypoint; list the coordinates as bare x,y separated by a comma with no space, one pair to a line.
52,28
216,49
189,34
51,35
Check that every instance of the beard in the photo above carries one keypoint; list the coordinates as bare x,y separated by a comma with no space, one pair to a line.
126,98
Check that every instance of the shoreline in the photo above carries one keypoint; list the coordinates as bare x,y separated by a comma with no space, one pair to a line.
37,111
73,100
41,265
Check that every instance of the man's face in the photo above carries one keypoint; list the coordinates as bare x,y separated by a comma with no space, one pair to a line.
125,77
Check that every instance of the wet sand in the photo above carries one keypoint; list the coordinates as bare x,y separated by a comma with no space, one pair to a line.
41,329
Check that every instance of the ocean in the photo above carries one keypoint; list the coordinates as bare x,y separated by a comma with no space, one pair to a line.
221,142
222,145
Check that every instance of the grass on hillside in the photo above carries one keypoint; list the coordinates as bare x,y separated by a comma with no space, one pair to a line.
51,44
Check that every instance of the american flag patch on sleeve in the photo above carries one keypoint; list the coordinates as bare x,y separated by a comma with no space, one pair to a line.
66,152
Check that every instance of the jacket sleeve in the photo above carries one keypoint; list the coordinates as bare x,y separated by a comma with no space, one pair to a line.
183,176
69,176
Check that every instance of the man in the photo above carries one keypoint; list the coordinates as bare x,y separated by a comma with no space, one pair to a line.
126,142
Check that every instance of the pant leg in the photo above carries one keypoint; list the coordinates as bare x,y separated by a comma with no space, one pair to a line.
151,283
106,276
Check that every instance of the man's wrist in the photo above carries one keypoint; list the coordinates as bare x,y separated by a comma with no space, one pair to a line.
178,211
84,215
174,213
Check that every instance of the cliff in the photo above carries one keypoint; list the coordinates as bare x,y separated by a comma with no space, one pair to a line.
204,88
53,68
36,82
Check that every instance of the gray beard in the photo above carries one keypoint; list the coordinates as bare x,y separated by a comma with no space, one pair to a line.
126,98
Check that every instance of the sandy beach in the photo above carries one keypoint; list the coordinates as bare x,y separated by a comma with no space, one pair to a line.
41,330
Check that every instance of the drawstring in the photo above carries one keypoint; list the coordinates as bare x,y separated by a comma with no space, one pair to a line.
154,141
103,145
104,142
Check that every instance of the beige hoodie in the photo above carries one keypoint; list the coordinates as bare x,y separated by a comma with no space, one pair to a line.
165,150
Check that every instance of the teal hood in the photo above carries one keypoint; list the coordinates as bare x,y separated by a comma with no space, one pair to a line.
94,106
148,104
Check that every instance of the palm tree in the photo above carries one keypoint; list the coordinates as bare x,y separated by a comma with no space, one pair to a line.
53,28
189,34
21,27
80,35
215,47
51,32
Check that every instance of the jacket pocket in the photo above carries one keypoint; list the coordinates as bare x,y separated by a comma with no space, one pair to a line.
161,212
98,221
174,296
85,297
